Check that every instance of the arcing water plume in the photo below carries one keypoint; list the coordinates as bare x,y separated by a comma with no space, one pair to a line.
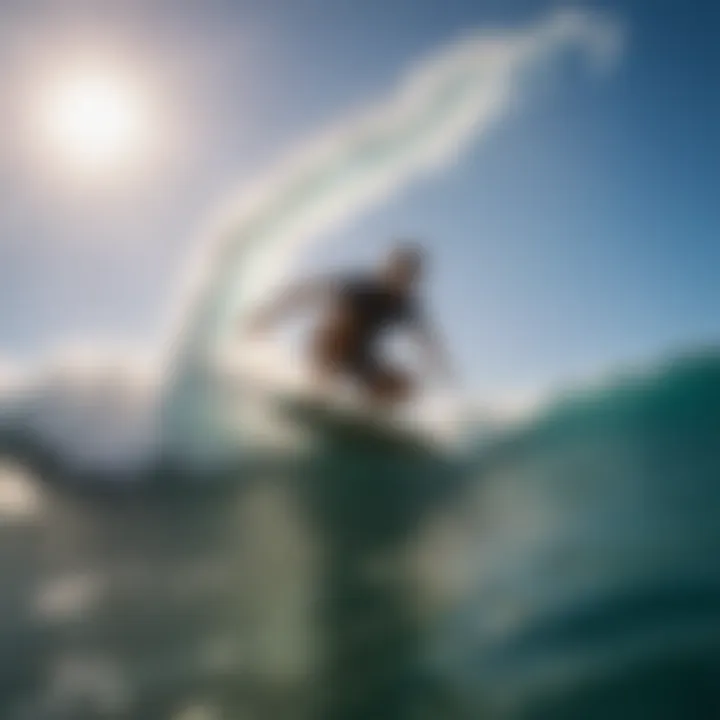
445,103
448,101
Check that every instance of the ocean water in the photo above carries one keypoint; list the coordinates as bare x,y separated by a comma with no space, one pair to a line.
597,587
568,570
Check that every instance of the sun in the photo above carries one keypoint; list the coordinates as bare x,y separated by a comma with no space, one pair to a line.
94,120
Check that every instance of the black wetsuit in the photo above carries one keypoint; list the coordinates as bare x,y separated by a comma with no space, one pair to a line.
368,308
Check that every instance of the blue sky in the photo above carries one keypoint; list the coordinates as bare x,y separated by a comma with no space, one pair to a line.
582,233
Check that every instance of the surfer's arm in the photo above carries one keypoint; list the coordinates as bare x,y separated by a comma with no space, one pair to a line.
295,298
435,355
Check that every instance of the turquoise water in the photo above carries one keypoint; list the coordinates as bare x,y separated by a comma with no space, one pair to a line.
588,546
599,592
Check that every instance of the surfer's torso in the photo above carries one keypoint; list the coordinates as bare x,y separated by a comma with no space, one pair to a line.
362,309
368,308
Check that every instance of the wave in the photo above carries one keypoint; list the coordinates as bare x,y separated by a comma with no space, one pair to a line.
596,542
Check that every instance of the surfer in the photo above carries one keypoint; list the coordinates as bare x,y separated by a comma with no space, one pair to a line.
357,313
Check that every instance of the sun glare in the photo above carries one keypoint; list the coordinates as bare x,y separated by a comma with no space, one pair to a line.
94,121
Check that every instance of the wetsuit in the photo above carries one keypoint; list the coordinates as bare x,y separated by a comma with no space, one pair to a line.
347,342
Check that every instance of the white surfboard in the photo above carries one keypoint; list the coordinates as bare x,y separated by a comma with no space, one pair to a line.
357,422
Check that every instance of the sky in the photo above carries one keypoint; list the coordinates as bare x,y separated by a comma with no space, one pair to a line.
578,234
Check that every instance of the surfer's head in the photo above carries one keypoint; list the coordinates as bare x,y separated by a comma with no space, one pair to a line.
403,266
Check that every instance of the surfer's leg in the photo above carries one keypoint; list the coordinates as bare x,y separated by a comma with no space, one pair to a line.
387,385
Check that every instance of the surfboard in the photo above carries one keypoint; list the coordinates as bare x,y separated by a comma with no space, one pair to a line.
358,423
